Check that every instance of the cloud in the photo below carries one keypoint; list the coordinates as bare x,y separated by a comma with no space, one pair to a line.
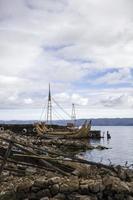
74,45
117,77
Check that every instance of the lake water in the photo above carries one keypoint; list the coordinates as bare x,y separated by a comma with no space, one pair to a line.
121,144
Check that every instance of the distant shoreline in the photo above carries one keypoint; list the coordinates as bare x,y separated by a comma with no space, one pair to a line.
95,122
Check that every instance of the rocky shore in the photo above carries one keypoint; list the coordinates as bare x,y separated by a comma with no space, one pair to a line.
88,183
85,181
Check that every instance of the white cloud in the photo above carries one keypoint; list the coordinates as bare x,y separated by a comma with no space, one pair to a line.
116,77
64,42
28,101
77,99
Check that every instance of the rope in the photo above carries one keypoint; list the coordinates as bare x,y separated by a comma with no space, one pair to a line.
61,108
59,115
43,109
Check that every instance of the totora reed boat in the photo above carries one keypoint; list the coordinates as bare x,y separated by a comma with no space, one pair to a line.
77,133
49,130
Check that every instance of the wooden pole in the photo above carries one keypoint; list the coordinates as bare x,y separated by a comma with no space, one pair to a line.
7,154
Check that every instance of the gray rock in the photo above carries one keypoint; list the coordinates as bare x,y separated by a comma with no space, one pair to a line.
44,198
129,173
64,188
30,170
41,182
83,197
54,180
32,195
95,186
43,193
130,198
119,196
60,196
54,189
84,189
35,189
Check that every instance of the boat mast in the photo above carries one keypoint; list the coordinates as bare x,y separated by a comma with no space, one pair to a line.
73,115
49,108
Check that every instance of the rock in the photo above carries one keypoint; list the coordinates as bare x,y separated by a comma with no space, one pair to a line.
108,181
32,196
70,185
83,171
30,170
8,196
101,147
81,197
35,189
119,196
115,184
96,186
130,198
121,172
130,185
54,180
129,174
43,193
64,188
44,198
24,186
84,189
110,198
54,189
41,182
120,186
60,196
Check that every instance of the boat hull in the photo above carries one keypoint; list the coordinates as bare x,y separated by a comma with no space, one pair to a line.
83,132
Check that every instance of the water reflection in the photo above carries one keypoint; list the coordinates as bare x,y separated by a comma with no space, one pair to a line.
121,144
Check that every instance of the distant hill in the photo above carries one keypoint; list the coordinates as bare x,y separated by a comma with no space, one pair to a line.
95,122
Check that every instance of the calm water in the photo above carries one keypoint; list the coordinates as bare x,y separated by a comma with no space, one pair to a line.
121,143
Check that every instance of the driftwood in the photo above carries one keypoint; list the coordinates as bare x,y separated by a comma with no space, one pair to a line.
8,151
42,162
48,159
30,157
9,160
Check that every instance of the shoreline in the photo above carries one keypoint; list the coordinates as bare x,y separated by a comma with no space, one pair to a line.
63,177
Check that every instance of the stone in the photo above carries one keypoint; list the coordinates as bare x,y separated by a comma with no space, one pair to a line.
41,182
54,189
120,186
80,197
108,181
69,185
64,188
130,198
35,189
54,180
129,174
24,186
110,198
43,193
8,196
30,170
44,198
119,196
94,186
130,185
60,196
84,189
121,172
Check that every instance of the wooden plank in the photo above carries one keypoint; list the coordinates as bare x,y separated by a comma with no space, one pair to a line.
7,154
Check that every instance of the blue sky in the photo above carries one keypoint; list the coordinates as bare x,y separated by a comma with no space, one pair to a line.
85,50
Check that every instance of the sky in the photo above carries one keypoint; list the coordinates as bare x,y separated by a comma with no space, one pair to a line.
84,49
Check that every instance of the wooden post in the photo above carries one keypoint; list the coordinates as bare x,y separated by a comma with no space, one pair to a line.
7,154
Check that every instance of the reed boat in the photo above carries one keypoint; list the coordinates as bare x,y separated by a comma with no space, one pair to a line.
70,131
82,132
